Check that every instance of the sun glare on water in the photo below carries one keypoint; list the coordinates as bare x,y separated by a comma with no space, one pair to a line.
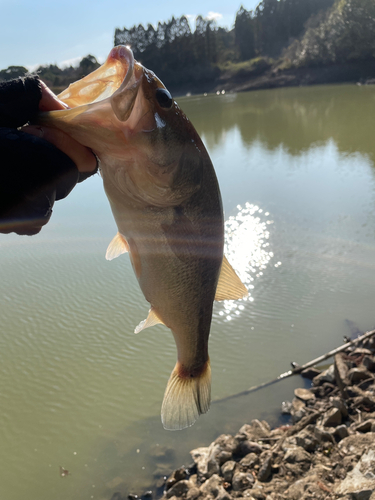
247,249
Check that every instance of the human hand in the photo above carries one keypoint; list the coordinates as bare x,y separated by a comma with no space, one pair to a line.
83,157
38,165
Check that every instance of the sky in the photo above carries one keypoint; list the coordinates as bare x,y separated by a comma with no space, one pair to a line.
35,32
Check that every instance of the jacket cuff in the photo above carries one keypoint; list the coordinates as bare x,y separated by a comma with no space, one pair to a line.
19,100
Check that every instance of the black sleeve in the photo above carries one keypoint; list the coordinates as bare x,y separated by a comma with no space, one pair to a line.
33,175
33,172
19,101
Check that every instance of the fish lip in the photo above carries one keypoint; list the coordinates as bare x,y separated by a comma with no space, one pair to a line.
124,98
125,56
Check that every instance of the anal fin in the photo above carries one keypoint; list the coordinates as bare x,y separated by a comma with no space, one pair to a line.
118,246
229,286
151,320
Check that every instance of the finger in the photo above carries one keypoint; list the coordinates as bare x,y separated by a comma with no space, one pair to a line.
49,100
83,157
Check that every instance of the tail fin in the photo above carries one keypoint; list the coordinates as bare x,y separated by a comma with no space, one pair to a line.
185,398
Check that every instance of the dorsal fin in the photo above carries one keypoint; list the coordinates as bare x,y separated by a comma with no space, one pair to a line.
151,320
229,286
117,246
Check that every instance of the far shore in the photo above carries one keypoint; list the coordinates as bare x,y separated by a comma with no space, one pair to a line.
360,72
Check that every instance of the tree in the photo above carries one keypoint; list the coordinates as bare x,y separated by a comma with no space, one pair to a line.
244,34
12,72
344,33
88,64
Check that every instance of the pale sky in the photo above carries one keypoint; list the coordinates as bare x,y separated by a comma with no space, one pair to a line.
34,32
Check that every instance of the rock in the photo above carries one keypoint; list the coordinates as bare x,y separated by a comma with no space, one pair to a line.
365,426
322,435
213,488
297,455
307,439
360,482
325,376
369,363
223,495
212,485
176,476
341,372
332,417
305,488
298,410
357,375
255,493
223,456
249,461
286,407
226,442
310,373
256,430
361,350
227,470
356,442
205,458
327,387
341,432
339,403
178,489
242,481
213,466
200,457
304,394
366,402
246,447
265,470
193,493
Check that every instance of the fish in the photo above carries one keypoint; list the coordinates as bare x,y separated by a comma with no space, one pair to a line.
166,202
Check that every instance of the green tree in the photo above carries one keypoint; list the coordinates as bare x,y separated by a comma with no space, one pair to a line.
88,64
12,72
244,34
344,33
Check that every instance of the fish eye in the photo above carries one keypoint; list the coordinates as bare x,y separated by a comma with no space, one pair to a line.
164,98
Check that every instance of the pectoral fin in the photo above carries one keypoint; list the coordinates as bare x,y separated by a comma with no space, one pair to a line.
151,320
117,246
229,287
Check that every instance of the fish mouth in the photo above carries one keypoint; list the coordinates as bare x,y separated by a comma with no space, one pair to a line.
112,76
120,82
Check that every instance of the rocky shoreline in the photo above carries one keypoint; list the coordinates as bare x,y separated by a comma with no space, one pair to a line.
327,451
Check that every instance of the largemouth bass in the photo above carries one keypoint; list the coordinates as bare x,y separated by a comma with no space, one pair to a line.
166,202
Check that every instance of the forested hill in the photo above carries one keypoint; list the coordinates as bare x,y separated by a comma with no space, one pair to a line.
278,39
178,54
277,35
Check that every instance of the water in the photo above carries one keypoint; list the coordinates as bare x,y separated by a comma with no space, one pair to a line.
79,390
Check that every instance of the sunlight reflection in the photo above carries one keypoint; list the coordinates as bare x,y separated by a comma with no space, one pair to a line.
246,248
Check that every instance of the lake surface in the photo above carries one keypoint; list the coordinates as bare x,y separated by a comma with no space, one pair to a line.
79,390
